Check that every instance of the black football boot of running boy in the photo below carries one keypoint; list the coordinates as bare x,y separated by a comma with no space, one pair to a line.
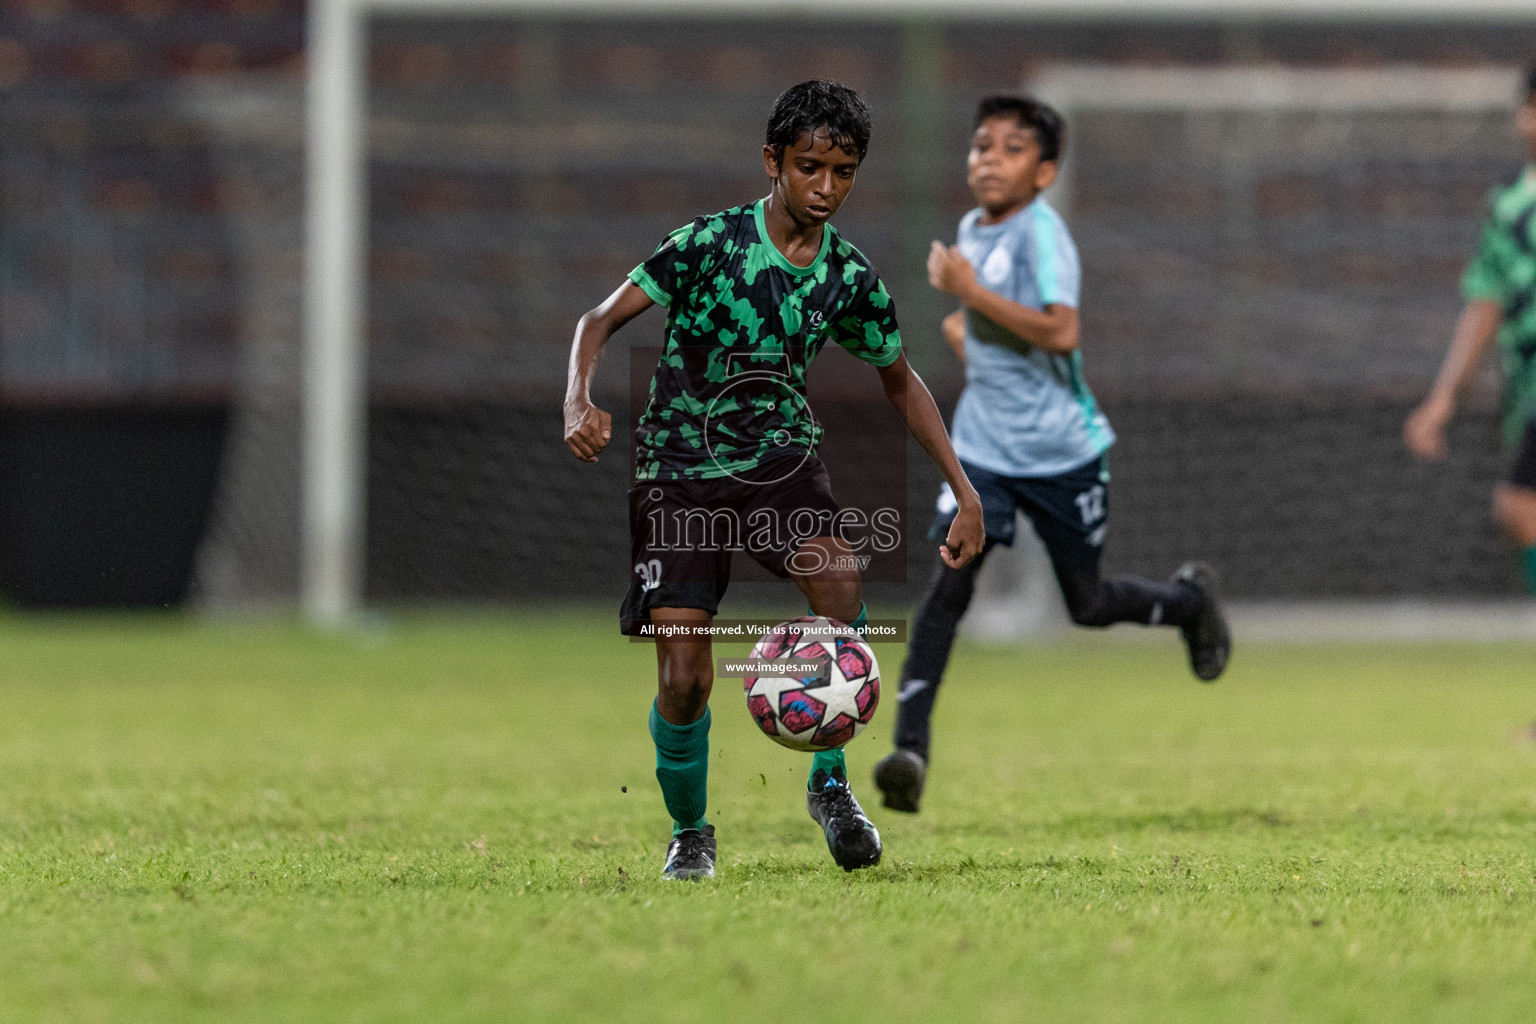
852,838
691,854
1207,635
899,776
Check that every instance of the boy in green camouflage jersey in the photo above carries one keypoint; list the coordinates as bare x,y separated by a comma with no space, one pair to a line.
729,392
1500,288
727,440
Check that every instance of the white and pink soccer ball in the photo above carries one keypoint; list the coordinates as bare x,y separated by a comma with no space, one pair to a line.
817,712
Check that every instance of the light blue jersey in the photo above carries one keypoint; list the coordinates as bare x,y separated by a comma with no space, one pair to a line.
1024,415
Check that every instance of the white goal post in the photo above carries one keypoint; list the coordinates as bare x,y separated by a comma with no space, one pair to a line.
334,403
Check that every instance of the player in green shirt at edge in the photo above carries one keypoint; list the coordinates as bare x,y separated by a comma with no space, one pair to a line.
1500,289
728,440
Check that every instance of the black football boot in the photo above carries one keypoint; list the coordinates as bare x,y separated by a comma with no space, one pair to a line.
899,776
691,854
1207,636
851,836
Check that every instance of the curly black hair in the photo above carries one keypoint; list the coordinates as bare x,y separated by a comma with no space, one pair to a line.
1530,83
1041,118
816,105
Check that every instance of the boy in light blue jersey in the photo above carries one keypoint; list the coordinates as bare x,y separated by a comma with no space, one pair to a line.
1027,430
1026,410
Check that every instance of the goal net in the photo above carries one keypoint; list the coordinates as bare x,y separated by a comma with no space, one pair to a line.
1270,265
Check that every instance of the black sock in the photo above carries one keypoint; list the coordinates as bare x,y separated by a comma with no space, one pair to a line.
1092,601
933,636
914,707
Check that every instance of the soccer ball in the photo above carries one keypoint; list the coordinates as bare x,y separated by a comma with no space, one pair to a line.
818,712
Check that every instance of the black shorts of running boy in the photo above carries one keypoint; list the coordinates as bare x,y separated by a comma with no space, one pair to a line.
682,532
1069,511
1523,472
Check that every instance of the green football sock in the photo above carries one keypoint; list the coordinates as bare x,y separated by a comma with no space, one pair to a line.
859,624
1529,557
682,768
826,760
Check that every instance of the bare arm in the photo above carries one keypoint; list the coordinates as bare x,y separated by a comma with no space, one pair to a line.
954,333
588,428
1052,330
1424,432
905,390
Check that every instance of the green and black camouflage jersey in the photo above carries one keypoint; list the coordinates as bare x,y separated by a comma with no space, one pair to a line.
1504,271
743,324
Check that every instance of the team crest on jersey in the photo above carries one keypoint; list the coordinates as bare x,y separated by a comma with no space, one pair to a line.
995,270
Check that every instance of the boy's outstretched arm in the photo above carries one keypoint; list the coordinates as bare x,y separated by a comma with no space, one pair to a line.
1052,330
905,390
588,428
1424,431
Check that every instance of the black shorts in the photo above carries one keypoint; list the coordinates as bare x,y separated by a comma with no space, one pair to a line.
682,533
1069,512
1523,472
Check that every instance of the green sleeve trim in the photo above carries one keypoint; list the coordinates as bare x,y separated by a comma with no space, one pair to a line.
1482,281
644,282
1047,276
1473,290
888,355
867,329
1483,278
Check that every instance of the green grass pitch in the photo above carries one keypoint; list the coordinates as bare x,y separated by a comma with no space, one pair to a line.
454,819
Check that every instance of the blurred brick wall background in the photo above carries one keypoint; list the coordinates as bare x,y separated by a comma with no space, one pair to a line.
1255,336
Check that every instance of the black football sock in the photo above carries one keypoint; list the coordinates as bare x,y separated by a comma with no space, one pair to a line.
914,708
1092,601
933,635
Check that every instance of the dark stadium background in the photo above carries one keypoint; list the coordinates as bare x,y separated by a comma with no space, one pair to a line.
150,292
